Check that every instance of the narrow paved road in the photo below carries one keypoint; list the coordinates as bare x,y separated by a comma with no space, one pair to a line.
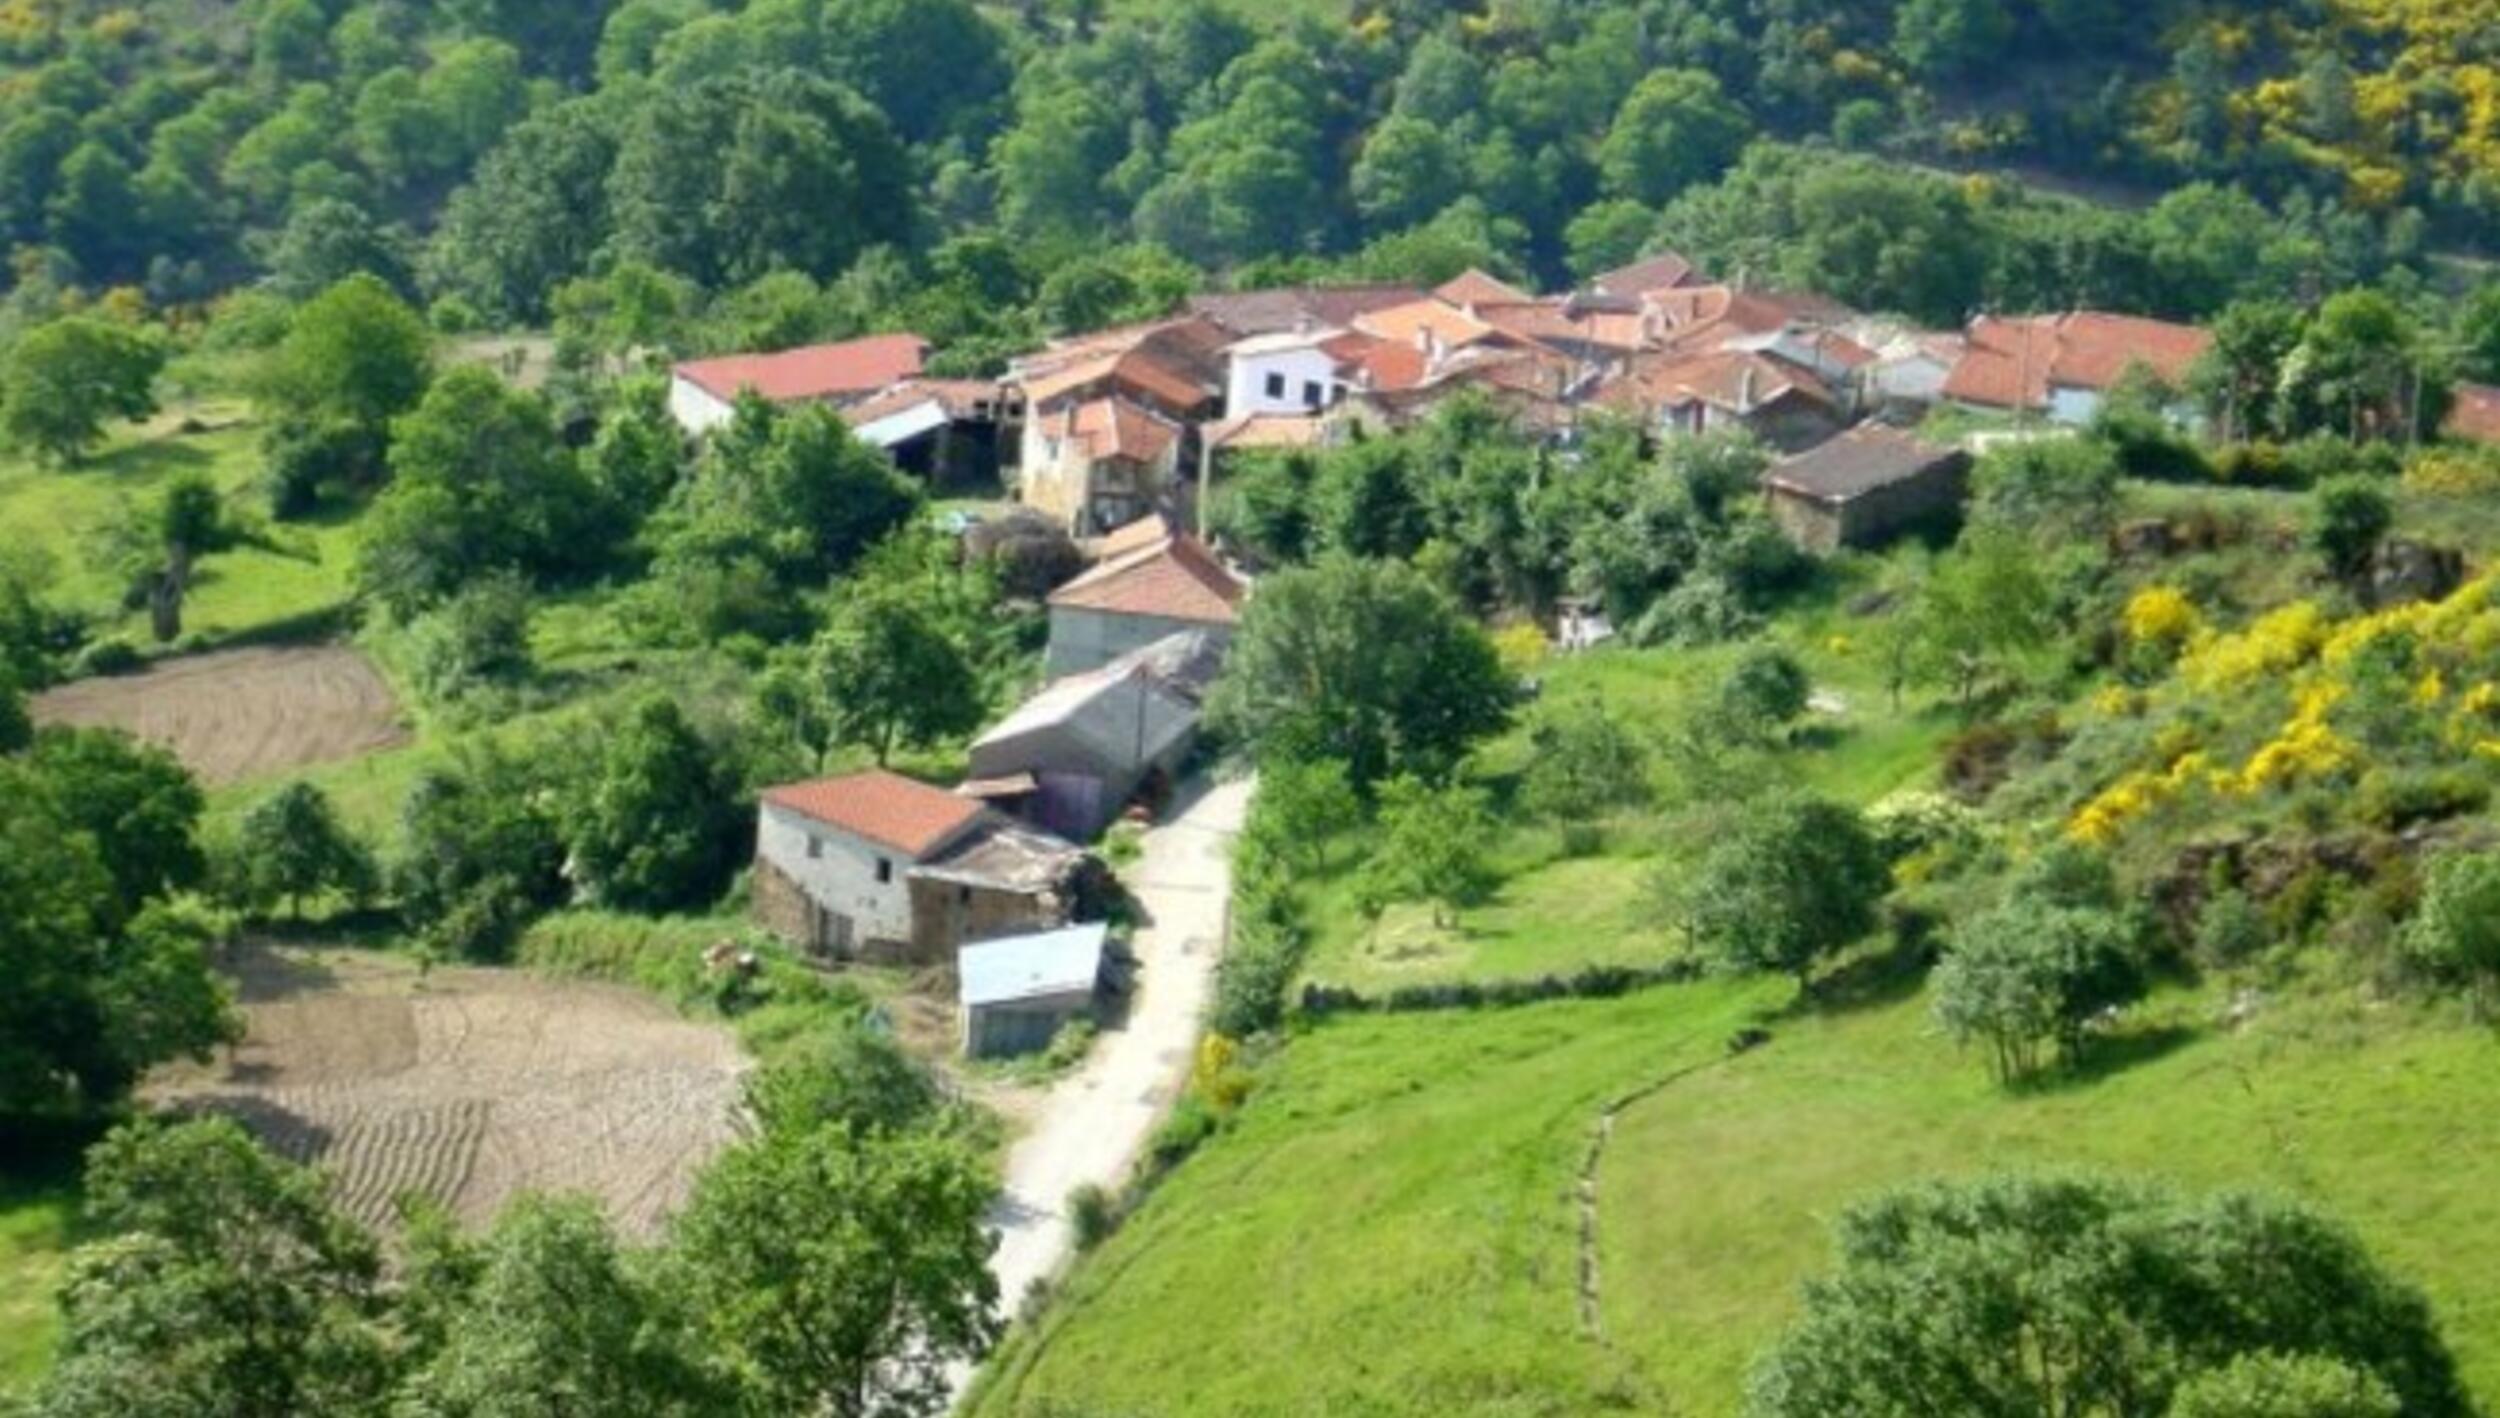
1094,1122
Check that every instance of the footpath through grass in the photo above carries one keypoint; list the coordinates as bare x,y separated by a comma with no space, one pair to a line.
1389,1227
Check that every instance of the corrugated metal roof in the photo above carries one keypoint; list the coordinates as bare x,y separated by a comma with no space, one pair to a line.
1058,962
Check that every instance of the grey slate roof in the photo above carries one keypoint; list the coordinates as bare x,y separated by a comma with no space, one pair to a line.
1867,457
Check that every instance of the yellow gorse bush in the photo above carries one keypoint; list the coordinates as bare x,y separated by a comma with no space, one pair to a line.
2161,615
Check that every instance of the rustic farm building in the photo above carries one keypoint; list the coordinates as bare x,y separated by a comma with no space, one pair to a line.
875,866
1071,757
1019,992
1865,487
1150,584
702,393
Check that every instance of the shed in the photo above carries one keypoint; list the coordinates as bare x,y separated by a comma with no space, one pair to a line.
1866,486
1019,992
1071,757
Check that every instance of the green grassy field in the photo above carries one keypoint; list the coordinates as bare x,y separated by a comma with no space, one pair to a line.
58,513
1387,1229
38,1224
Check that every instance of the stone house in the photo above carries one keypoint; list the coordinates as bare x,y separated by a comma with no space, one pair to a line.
1865,487
875,866
1150,584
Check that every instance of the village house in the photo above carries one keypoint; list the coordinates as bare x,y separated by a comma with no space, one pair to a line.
703,393
878,867
951,433
1150,584
1073,756
1686,394
1278,309
1016,994
1866,487
2063,366
1288,372
1110,419
1662,272
2473,413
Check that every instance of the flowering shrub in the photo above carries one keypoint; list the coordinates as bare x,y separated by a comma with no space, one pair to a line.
2162,617
2275,643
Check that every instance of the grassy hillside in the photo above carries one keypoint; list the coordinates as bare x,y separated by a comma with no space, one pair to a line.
58,514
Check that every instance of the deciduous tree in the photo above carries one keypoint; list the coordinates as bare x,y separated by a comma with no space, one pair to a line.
1793,880
66,380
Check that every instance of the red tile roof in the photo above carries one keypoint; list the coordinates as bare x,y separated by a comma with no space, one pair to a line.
2475,414
1732,379
1376,363
1664,271
2014,363
1476,288
815,372
1408,323
1116,428
886,808
1175,579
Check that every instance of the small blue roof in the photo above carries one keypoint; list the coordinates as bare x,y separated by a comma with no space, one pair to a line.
1056,962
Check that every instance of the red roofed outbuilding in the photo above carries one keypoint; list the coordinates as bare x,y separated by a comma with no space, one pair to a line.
1148,586
703,392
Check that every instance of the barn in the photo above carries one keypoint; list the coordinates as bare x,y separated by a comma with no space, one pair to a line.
1019,992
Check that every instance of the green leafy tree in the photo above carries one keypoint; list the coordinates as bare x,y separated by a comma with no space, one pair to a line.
930,66
353,359
1790,882
2347,518
2070,1294
2239,377
1433,844
480,482
1677,128
859,1078
1979,609
2027,973
2284,1386
532,215
294,846
480,852
135,801
66,380
1363,662
657,827
17,727
157,548
1304,804
1764,692
1942,39
226,1283
1582,764
890,676
2363,365
2455,933
843,1274
547,1314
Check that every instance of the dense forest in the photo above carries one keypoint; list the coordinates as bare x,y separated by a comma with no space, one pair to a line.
982,172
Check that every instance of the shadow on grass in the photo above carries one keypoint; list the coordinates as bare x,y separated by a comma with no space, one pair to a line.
1868,981
151,459
2106,1057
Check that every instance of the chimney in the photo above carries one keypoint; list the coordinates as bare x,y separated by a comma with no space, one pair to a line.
1744,389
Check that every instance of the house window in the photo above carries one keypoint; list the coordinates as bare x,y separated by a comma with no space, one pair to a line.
1275,386
963,895
815,848
885,870
1311,394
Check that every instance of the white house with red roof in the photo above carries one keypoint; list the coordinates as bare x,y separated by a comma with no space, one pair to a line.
2065,365
703,393
1151,583
878,866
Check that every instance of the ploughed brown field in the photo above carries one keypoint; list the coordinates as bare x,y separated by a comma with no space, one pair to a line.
469,1086
236,715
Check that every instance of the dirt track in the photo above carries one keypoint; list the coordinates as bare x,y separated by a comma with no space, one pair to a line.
241,714
470,1085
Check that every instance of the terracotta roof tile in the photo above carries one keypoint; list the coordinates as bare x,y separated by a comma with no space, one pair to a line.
1268,431
1664,271
1476,288
2475,414
1266,312
816,372
1116,428
1176,579
2014,363
911,817
1407,324
1732,379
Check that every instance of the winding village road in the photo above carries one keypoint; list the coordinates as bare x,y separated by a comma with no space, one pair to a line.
1093,1123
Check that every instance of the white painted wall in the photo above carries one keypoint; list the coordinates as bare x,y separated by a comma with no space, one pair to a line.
2072,406
1246,383
694,407
842,876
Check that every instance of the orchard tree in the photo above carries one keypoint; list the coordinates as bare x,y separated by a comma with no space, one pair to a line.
2081,1295
1764,692
157,548
891,677
294,846
225,1282
1582,764
656,829
2347,518
1432,846
1304,804
858,1078
1792,881
2030,972
66,380
1364,662
1981,607
844,1274
547,1313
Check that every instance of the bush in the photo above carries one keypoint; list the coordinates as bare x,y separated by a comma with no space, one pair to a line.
1192,1122
2394,799
478,637
109,656
1093,1215
2258,464
2230,931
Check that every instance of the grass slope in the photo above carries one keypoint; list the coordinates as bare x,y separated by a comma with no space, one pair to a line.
38,1224
1717,1191
1388,1228
58,513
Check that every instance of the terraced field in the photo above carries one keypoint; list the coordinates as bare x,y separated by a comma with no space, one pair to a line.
469,1086
237,715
